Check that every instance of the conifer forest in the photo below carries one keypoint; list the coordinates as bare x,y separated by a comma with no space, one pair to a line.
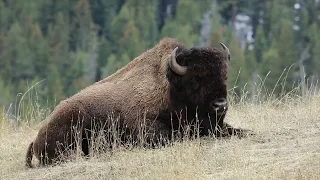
51,49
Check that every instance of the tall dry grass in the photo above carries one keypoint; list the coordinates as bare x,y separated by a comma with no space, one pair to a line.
287,146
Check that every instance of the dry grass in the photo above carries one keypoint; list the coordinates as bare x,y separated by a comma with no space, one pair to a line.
287,147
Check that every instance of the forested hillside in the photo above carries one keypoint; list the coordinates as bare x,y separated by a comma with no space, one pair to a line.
67,45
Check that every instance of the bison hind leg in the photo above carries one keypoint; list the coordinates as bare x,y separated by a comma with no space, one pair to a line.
46,159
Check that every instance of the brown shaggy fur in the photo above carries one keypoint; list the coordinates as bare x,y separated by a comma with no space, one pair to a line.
141,86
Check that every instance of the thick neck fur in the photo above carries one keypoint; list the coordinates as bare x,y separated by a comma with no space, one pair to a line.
142,83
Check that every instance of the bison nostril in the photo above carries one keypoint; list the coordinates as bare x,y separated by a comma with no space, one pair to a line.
214,105
222,100
220,104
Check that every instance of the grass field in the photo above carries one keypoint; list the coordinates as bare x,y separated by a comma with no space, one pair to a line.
287,146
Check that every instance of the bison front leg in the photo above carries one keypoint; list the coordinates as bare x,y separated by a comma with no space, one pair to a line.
158,134
227,131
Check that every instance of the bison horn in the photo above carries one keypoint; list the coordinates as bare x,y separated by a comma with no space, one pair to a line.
225,48
181,70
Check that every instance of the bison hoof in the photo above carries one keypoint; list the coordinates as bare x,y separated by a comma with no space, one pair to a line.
243,133
237,132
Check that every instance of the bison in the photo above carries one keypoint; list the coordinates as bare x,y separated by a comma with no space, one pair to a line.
166,87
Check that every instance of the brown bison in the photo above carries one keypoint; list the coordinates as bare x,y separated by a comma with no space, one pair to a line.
166,87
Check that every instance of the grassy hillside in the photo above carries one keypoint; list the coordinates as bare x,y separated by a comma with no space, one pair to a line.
287,146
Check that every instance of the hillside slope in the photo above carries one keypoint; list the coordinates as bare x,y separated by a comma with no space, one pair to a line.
287,147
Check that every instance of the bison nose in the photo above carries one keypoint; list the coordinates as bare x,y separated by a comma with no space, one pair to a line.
219,104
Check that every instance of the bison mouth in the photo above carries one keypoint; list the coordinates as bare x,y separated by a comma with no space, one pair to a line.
220,112
209,123
219,106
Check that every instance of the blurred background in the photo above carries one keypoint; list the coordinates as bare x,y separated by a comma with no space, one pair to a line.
50,49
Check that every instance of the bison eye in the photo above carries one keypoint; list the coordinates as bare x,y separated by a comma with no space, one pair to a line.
195,86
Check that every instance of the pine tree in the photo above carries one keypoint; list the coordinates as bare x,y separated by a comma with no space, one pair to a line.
144,15
315,53
280,59
275,47
59,59
6,18
17,58
260,44
128,39
218,30
182,33
185,26
307,35
103,12
5,95
85,41
237,75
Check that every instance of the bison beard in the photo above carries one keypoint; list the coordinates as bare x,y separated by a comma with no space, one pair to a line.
160,92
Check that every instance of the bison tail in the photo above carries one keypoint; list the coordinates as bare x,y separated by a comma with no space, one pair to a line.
29,155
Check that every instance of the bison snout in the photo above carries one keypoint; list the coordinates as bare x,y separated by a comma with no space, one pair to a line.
219,105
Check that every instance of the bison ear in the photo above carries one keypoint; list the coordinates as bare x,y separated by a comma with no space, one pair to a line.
175,67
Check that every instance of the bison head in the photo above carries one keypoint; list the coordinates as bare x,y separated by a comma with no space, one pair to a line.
198,83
